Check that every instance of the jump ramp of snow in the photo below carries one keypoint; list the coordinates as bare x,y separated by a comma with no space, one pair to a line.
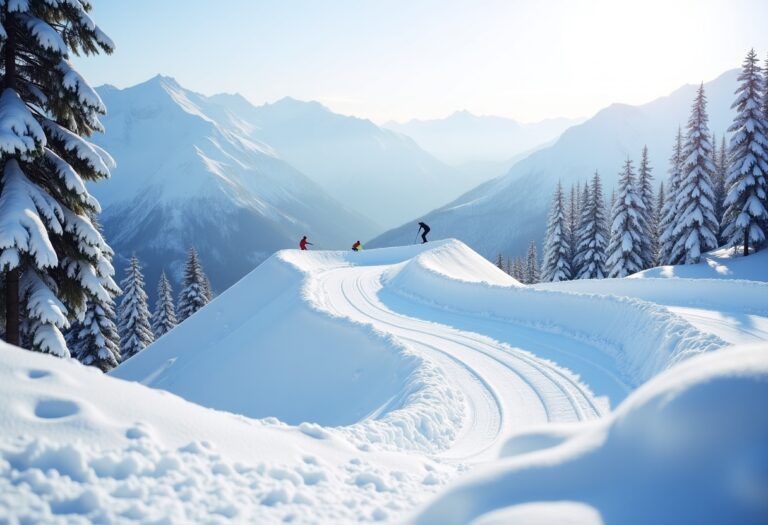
427,347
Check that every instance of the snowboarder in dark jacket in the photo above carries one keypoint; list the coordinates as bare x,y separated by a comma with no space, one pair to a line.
304,242
425,229
357,246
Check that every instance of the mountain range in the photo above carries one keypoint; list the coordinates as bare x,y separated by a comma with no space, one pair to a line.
239,181
504,214
185,177
484,146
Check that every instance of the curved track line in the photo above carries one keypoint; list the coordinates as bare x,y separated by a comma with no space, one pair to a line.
505,388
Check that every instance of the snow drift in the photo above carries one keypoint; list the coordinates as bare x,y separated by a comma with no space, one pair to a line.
642,337
687,447
78,446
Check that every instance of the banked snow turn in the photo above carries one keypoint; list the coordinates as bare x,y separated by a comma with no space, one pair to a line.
426,348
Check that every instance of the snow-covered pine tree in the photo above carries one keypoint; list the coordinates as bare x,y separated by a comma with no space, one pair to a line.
193,295
133,317
626,244
508,267
572,216
164,317
669,213
97,340
746,205
207,289
518,269
531,271
645,191
556,264
500,262
593,237
722,167
696,225
658,212
52,257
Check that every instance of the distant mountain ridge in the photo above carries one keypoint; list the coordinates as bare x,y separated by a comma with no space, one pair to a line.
504,214
188,175
373,171
464,138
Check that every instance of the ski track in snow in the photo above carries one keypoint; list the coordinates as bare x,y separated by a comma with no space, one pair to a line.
506,388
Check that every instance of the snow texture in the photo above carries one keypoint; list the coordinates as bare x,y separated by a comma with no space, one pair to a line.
687,447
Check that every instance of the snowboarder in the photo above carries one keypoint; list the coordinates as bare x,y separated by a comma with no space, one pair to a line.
357,246
426,228
304,242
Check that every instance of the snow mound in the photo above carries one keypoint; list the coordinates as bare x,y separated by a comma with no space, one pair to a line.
78,446
714,294
267,348
690,446
724,263
259,350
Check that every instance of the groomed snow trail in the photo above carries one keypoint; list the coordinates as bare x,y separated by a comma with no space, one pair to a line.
506,389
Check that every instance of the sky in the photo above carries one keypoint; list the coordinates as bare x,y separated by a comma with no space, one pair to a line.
403,59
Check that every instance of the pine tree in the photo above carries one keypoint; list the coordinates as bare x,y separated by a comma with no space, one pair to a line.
193,295
531,271
695,223
556,265
746,213
518,270
51,256
133,318
508,267
164,317
669,212
718,184
96,340
625,247
645,191
658,213
500,262
572,227
207,289
593,238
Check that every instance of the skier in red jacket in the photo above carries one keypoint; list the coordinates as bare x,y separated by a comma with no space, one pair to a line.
304,242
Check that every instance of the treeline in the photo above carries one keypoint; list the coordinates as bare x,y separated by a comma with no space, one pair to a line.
104,338
712,197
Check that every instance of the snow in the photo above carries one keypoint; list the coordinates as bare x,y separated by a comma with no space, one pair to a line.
339,387
46,36
19,131
687,447
724,263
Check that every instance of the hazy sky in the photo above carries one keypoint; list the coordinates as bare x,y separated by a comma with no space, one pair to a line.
402,59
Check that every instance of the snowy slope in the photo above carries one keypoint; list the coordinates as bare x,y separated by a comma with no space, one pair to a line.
718,264
717,295
463,138
406,311
504,214
687,447
186,175
378,173
80,447
393,372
